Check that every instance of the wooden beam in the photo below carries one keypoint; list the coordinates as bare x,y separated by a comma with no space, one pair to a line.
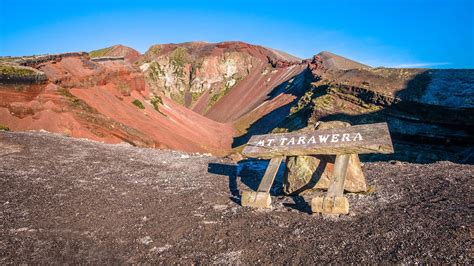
270,173
261,198
371,138
334,202
336,185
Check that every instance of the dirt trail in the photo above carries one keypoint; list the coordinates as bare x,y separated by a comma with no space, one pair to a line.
79,201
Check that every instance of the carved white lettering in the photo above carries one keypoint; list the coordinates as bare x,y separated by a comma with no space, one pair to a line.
312,139
358,136
291,142
345,137
323,139
301,140
283,141
270,142
335,138
261,143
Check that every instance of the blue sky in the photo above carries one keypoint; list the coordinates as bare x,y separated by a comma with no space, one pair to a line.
403,33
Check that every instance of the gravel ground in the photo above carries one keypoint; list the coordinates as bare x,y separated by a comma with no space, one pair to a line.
79,201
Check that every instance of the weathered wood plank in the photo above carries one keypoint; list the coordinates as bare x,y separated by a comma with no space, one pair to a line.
336,186
371,138
270,174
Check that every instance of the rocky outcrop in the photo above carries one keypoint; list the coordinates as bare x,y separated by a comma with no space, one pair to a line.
15,74
199,75
108,58
35,60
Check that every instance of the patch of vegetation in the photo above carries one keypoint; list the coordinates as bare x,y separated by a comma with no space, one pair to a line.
325,101
177,97
156,101
138,104
155,49
73,99
280,130
4,128
217,96
76,102
358,101
155,72
100,52
302,102
195,96
194,67
179,58
9,70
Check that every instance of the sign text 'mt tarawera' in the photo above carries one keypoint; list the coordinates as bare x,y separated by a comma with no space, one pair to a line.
360,139
313,139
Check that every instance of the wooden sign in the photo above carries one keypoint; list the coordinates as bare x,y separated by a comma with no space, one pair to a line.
371,138
342,142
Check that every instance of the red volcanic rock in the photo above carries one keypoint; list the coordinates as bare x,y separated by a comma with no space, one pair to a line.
278,63
316,64
95,100
222,81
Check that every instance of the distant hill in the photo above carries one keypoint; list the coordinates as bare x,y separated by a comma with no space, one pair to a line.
119,50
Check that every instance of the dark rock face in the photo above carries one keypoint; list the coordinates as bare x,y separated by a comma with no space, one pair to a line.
35,77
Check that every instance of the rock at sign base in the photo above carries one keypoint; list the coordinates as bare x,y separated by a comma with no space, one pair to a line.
256,199
307,173
330,205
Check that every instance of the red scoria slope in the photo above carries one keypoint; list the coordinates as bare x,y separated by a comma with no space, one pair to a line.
223,80
94,100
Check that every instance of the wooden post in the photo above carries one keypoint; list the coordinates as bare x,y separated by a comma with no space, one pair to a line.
261,198
270,173
334,202
336,186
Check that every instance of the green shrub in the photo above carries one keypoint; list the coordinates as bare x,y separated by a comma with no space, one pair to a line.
17,71
138,104
66,93
155,100
4,128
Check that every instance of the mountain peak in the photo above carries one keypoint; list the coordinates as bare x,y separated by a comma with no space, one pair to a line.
120,50
334,61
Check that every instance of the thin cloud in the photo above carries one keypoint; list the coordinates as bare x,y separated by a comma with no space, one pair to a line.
421,65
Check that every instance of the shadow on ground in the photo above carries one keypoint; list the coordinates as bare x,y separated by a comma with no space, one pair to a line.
250,172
